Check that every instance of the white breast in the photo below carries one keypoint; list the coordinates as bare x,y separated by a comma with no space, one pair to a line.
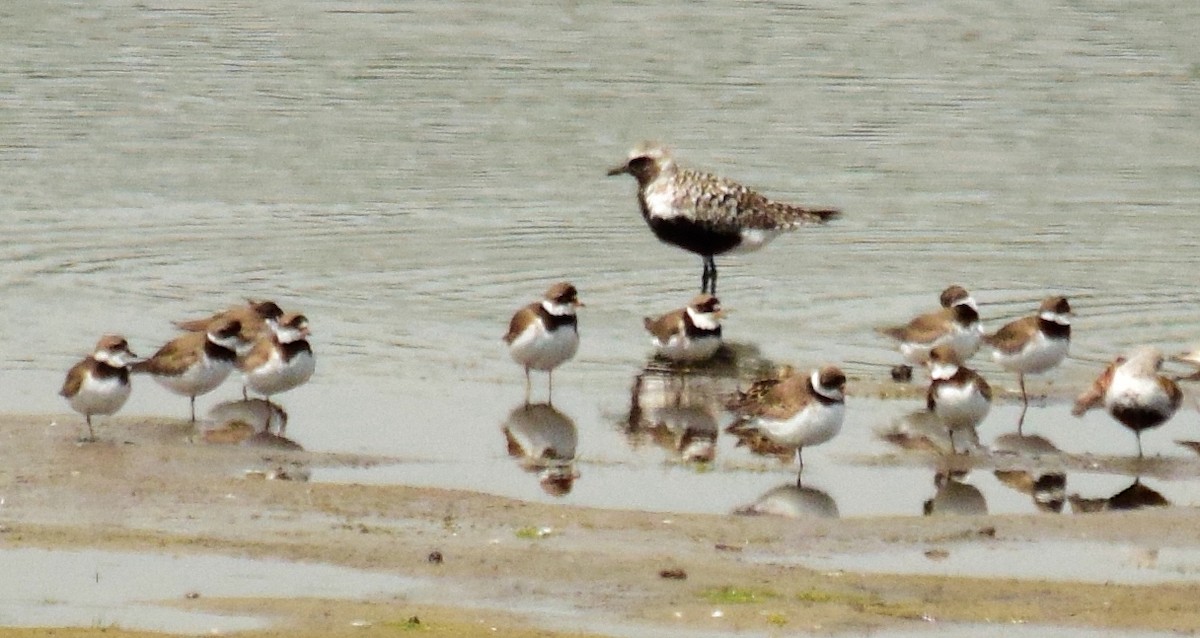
1128,391
960,405
277,375
682,348
100,396
540,349
1039,355
813,425
199,379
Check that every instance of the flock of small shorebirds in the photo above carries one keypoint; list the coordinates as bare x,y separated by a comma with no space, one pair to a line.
269,347
709,215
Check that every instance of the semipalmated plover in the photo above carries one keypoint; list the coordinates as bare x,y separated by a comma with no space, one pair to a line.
99,384
795,410
256,318
956,324
1033,344
706,214
957,394
195,363
281,359
1134,392
690,334
545,334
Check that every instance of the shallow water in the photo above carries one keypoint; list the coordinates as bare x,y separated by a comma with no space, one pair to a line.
408,176
131,590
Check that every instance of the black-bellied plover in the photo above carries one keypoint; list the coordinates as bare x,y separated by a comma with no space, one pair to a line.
1033,344
99,384
545,334
1134,392
706,214
689,334
793,410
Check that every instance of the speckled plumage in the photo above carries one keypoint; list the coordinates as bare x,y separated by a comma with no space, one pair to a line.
706,214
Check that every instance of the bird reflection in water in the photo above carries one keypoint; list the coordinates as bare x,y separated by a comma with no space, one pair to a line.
1047,489
543,442
1135,497
255,422
792,501
923,431
954,497
676,408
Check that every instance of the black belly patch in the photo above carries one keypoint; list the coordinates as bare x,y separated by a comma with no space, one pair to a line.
1138,419
701,239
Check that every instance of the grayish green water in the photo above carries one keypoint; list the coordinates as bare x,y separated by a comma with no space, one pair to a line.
408,174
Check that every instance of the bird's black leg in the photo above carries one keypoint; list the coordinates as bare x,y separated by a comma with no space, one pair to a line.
708,280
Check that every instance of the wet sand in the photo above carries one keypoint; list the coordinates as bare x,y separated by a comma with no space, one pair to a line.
534,569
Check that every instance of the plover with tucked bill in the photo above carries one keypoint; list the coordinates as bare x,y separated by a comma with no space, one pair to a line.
545,334
1033,344
281,359
793,410
256,318
195,363
690,334
99,384
957,395
706,214
1134,392
956,324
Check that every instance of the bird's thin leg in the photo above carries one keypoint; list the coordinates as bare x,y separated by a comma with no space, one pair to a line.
527,385
800,462
950,432
1138,434
1024,404
193,403
245,395
704,276
91,433
550,390
712,277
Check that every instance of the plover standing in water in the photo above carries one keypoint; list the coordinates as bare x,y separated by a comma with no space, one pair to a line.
690,334
957,395
706,214
956,324
545,334
1033,344
793,410
281,359
99,384
1133,392
256,318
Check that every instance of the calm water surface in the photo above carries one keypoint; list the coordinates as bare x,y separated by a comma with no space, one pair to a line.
409,174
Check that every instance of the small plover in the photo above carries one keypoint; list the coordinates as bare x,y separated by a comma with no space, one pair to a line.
706,214
956,324
545,334
957,395
1033,344
281,359
691,334
793,410
256,317
99,384
195,363
1134,392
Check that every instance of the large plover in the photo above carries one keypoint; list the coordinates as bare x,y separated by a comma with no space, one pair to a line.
706,214
99,384
793,410
689,334
955,324
545,334
1134,392
1033,344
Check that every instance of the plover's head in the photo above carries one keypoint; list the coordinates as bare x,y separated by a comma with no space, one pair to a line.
1145,361
1056,309
957,296
561,299
114,351
292,327
268,310
227,333
706,311
829,381
943,362
646,162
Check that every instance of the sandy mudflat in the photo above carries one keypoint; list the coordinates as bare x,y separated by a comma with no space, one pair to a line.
532,569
